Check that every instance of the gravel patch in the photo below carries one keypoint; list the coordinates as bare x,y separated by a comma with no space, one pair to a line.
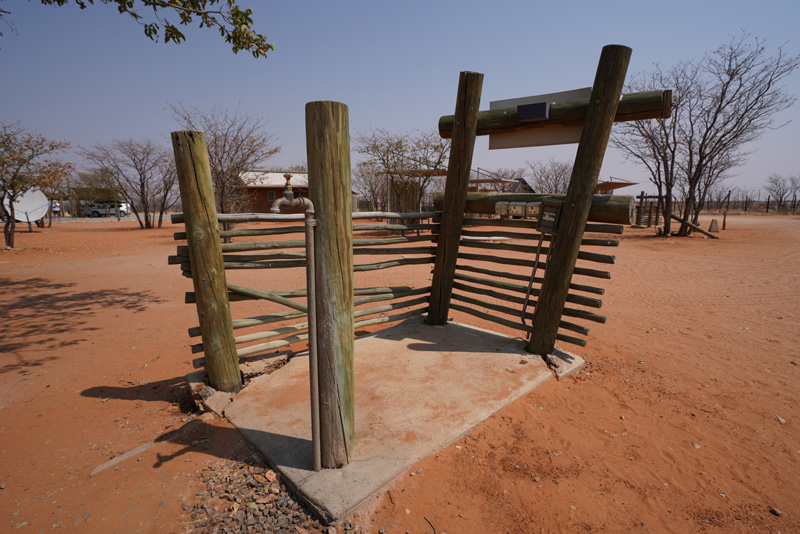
241,497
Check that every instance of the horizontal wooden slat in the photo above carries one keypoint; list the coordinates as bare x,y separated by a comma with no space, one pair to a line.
533,236
392,295
568,312
250,232
391,240
247,217
512,324
255,321
389,318
529,249
239,265
394,227
388,291
183,256
267,295
389,307
395,251
393,215
263,347
574,299
597,228
514,312
262,245
506,223
529,263
393,263
526,278
270,345
257,336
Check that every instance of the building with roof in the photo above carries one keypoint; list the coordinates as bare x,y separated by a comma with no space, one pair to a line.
264,187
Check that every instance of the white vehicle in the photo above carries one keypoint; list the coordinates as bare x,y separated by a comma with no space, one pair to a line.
108,209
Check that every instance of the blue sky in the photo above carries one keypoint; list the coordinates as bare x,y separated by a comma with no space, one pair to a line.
92,76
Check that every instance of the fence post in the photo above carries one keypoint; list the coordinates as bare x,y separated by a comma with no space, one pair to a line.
640,211
767,210
205,255
455,194
566,243
727,205
328,152
659,209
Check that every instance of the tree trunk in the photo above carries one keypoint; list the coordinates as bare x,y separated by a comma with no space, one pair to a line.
8,231
688,207
667,211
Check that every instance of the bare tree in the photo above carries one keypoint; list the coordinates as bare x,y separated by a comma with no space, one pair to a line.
430,153
237,142
143,172
23,166
409,163
781,188
370,183
720,104
550,176
655,143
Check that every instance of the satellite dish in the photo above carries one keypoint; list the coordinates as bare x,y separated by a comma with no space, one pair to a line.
31,206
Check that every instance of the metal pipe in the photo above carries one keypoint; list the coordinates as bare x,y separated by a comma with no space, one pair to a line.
530,282
312,337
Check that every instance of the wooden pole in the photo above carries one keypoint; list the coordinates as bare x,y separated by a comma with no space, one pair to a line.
205,256
632,107
616,209
328,152
694,226
727,205
659,209
455,198
767,210
600,115
640,213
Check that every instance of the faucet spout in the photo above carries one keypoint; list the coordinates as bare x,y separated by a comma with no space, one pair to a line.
289,202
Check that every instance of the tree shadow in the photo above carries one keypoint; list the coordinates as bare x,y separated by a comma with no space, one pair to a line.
43,315
197,436
173,390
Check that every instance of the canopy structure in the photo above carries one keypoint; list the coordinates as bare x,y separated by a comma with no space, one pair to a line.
607,188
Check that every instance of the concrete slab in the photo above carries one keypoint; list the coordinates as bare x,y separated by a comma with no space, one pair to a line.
565,363
418,389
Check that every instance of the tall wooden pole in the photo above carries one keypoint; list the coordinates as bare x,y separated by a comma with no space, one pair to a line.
566,244
205,255
727,205
640,214
455,194
328,151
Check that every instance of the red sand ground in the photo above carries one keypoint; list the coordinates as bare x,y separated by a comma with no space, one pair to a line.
673,427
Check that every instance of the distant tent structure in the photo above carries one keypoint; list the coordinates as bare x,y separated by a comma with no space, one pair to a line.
608,188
